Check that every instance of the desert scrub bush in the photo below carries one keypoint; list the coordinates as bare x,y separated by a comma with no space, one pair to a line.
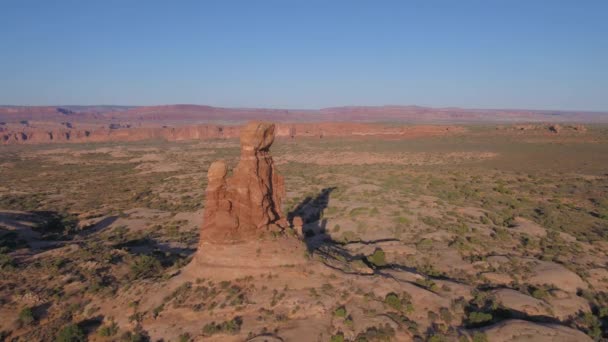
108,330
70,333
10,241
431,221
445,315
26,202
424,244
540,293
378,258
134,336
232,326
476,318
26,317
358,211
591,325
437,337
338,337
145,266
401,303
480,337
57,226
381,333
340,312
7,263
427,284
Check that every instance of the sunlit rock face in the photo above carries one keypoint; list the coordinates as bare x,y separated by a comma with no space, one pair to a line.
247,204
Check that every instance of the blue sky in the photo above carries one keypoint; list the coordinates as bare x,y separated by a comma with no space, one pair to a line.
306,54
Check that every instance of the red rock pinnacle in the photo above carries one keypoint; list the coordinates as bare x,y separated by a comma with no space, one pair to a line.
247,204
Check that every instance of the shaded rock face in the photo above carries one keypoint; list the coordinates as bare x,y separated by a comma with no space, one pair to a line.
247,204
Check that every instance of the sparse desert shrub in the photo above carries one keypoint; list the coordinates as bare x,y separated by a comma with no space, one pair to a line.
71,333
232,326
108,330
393,301
424,244
378,258
540,293
145,266
591,325
509,221
437,338
339,337
403,220
445,315
57,226
400,303
26,317
157,310
428,284
340,312
134,336
480,337
381,333
477,318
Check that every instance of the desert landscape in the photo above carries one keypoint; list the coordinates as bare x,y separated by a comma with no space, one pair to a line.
303,171
303,231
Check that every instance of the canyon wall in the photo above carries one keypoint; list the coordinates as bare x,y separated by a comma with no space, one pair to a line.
40,135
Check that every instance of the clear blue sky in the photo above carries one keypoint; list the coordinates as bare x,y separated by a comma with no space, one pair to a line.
549,54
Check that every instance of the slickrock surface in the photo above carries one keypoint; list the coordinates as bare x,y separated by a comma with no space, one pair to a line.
247,204
517,330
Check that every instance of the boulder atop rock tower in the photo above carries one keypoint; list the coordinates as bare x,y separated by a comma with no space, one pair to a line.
246,205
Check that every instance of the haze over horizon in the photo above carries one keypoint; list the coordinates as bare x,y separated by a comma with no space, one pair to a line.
276,54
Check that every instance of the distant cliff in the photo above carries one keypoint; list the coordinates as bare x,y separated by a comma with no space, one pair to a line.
33,135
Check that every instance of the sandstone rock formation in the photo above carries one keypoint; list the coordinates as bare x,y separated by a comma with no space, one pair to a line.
247,204
518,330
42,132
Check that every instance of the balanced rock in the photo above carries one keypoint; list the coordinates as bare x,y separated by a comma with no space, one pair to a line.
247,204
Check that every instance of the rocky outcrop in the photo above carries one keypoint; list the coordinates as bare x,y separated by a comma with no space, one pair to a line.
518,330
246,205
552,274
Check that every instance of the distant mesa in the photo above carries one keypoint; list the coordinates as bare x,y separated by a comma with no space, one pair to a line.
247,205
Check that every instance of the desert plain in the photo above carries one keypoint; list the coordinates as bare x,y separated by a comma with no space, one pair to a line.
409,232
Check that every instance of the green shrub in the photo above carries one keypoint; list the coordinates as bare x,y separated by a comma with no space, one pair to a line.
340,312
71,333
445,315
476,317
145,266
380,333
26,317
108,330
480,337
232,326
135,336
339,337
378,258
393,301
6,262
